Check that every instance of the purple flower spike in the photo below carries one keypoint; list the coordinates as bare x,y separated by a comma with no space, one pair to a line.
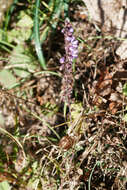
71,52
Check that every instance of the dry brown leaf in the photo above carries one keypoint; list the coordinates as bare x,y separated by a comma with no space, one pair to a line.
113,107
66,142
103,87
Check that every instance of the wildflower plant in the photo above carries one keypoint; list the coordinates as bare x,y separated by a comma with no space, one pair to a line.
71,53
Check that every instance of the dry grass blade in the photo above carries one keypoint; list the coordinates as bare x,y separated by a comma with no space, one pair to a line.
14,139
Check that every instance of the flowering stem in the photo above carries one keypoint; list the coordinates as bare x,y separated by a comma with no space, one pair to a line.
68,62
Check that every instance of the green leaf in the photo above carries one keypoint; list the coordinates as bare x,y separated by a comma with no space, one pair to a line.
33,184
1,120
37,36
25,21
125,118
7,79
76,110
125,89
5,185
23,64
23,29
66,8
56,13
18,35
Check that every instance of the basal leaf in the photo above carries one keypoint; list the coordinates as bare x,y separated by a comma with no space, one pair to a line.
7,79
5,185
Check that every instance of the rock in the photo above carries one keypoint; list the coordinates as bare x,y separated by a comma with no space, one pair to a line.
111,15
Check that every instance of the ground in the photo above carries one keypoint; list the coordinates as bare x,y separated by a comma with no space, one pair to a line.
44,143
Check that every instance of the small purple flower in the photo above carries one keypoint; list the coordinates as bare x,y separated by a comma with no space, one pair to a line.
71,52
71,30
62,60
